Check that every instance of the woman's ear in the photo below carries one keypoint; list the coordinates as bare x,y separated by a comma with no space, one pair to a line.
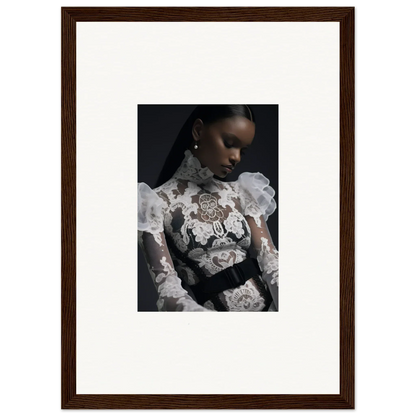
197,129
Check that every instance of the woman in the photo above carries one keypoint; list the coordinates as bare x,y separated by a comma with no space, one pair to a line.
205,239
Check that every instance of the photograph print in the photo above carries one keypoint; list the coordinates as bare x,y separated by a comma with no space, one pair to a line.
208,208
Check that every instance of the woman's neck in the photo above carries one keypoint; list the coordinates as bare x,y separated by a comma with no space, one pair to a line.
191,169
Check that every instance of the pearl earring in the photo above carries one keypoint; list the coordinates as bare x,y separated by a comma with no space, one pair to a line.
196,146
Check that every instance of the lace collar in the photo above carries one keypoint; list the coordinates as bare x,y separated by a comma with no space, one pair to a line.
192,170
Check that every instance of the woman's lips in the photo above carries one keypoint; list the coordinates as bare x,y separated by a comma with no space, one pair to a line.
227,168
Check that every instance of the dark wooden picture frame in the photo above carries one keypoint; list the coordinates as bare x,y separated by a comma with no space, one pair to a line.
69,398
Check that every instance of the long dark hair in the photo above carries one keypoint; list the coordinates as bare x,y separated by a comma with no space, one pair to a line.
208,114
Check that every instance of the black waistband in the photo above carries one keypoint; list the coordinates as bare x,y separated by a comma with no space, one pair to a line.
228,278
209,287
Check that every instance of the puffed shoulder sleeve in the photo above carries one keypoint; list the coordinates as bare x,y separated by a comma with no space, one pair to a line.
150,209
256,195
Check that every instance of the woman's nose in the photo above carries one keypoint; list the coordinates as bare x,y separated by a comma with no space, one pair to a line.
235,157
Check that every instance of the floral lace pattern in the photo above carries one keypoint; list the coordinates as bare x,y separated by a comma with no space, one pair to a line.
215,224
245,298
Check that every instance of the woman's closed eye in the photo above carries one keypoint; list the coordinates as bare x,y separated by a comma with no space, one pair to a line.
229,146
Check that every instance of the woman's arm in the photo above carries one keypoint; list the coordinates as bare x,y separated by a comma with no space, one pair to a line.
263,249
172,296
257,204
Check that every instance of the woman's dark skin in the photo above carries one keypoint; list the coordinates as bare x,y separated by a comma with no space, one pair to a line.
222,143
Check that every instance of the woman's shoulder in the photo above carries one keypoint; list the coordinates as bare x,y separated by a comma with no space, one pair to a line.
151,205
160,191
145,192
255,187
253,181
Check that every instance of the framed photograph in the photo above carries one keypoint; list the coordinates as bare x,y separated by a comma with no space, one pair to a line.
131,80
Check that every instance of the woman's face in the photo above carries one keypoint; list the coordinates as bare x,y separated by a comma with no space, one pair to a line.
222,143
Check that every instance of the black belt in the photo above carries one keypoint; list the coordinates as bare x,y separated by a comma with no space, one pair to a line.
228,278
209,287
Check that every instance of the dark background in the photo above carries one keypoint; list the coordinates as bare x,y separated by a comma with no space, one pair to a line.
158,126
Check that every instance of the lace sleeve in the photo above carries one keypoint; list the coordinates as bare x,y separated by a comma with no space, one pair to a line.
263,249
257,202
150,213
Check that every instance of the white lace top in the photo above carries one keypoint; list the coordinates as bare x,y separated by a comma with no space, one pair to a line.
215,224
